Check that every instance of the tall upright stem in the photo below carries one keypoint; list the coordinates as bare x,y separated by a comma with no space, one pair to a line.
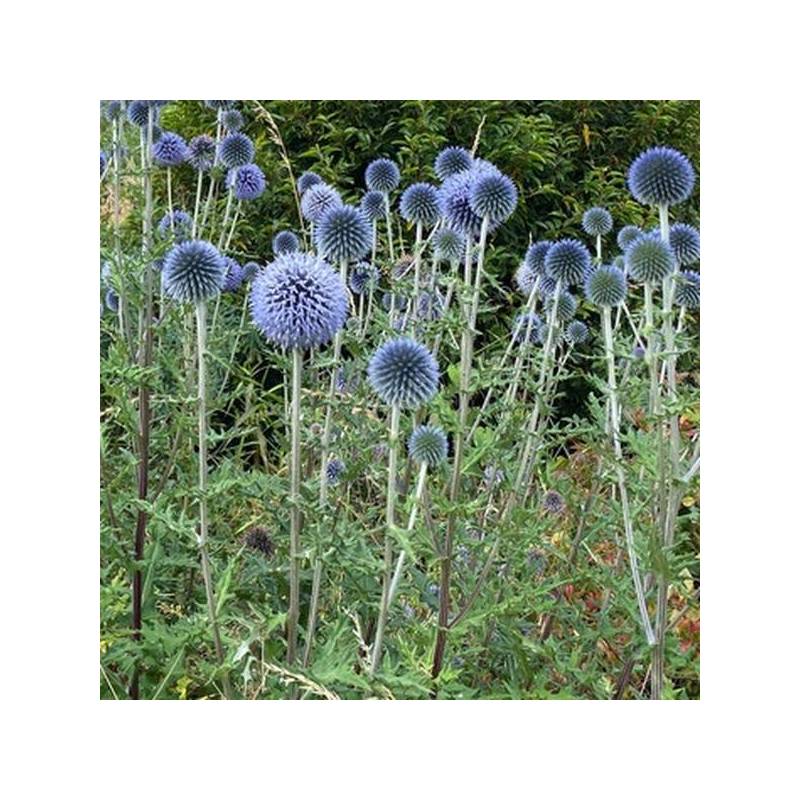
389,227
197,196
296,517
417,260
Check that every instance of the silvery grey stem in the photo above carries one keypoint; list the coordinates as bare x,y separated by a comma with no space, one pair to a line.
296,519
316,583
417,260
389,227
197,195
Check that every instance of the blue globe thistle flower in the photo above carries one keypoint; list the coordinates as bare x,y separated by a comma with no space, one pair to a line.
535,256
103,163
685,243
318,200
179,225
382,175
525,278
450,161
428,445
334,470
373,205
628,235
606,286
687,289
112,300
565,308
343,233
403,372
543,332
429,305
307,180
249,270
138,112
661,176
400,302
298,301
567,260
448,245
202,149
285,242
236,150
577,332
111,109
553,502
170,150
363,277
526,328
232,120
649,259
455,194
193,271
248,182
234,276
547,286
419,203
597,221
493,196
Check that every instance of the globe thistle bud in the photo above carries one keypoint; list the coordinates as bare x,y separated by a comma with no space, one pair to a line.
419,203
298,301
428,445
638,352
526,328
382,175
597,221
536,255
234,276
179,225
373,205
685,243
248,182
285,242
661,176
628,235
450,161
565,308
493,196
363,277
249,270
403,372
448,245
687,289
567,260
232,120
318,200
606,286
525,279
170,150
201,152
307,180
111,109
112,300
193,271
649,259
139,113
260,540
544,331
343,233
334,470
576,333
553,502
236,150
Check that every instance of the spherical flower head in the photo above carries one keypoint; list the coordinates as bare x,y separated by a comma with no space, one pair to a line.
455,195
419,203
553,502
111,109
373,205
382,175
234,275
334,470
201,152
661,176
430,305
597,221
649,259
193,271
139,112
428,445
525,278
249,270
298,301
567,260
526,328
448,245
285,242
553,333
606,286
535,256
343,233
565,308
307,180
638,352
363,277
452,160
627,235
685,243
248,182
399,301
236,150
576,332
112,300
178,224
103,163
687,289
403,372
232,120
260,540
493,196
317,200
170,150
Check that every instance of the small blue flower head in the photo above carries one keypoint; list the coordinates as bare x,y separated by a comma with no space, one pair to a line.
285,242
382,175
448,245
178,225
201,152
103,162
403,372
597,221
317,200
450,161
234,275
139,112
363,277
428,445
111,109
236,150
638,352
249,270
343,233
170,150
307,180
455,195
687,289
493,196
298,301
419,203
535,256
430,305
627,235
547,285
565,308
577,332
649,259
567,260
193,271
526,328
112,300
525,278
606,286
373,205
400,302
685,243
553,502
334,470
232,120
661,176
554,333
248,182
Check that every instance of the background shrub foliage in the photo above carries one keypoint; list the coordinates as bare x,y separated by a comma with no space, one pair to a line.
564,156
